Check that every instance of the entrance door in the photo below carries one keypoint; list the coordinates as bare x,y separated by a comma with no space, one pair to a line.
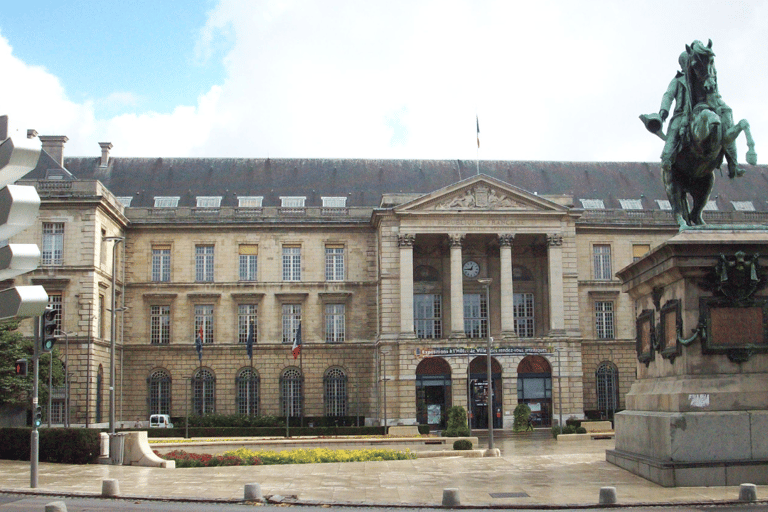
534,387
478,392
433,392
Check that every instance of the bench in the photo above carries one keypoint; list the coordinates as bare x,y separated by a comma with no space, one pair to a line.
403,431
597,426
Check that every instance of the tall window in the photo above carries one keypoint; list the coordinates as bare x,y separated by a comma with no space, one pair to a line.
102,317
53,243
160,325
204,392
291,321
335,384
334,262
334,323
247,385
204,263
291,263
523,311
602,262
161,264
604,320
607,376
291,383
639,250
248,262
247,319
204,319
475,315
55,303
427,315
159,392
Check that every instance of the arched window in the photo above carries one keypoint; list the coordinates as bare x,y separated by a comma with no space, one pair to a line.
247,385
159,398
335,384
204,392
607,376
291,392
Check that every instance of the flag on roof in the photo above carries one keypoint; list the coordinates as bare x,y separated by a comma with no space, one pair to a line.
296,350
478,130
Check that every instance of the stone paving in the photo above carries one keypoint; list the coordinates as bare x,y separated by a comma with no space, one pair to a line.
530,472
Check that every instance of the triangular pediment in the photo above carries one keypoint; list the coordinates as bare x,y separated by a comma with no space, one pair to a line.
480,193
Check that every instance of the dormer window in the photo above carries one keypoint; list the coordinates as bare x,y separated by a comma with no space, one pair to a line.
125,200
631,204
249,201
334,202
711,206
292,201
208,201
592,204
743,206
664,204
166,201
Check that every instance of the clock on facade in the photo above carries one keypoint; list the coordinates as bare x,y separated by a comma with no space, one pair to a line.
471,269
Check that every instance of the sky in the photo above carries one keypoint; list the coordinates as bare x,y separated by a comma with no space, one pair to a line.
380,79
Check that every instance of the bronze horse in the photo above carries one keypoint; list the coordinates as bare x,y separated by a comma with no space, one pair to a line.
707,136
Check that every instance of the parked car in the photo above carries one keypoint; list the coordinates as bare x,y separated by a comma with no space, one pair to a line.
160,421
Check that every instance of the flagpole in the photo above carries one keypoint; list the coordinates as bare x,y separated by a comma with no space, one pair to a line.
301,370
477,159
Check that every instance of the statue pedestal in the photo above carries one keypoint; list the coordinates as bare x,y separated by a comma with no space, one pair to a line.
698,413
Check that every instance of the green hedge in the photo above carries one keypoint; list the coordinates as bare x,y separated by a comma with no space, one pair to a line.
262,431
65,445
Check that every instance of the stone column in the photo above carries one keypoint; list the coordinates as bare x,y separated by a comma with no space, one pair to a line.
457,287
405,242
556,303
507,286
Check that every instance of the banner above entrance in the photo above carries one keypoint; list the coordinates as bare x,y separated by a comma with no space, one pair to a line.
479,351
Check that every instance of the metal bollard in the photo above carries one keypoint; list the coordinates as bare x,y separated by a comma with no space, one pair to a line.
253,493
110,487
607,495
748,492
451,498
56,506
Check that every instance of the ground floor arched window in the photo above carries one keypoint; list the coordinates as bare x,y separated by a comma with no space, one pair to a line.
433,391
478,393
159,392
291,392
607,385
247,385
335,386
204,392
534,387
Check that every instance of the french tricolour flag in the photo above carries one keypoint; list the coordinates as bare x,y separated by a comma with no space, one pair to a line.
296,350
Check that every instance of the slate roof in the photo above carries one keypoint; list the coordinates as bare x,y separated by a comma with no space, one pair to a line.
364,181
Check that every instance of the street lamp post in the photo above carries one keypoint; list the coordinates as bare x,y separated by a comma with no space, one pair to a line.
486,282
116,240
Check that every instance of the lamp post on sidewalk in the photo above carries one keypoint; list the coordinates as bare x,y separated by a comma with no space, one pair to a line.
116,240
486,282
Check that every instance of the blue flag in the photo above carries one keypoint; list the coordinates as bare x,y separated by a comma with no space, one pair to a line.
199,344
249,342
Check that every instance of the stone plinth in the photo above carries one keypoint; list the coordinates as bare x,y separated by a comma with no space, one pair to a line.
698,412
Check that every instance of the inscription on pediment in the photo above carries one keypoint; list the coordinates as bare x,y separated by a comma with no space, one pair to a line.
480,197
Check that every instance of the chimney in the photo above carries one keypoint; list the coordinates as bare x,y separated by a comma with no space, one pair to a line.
31,133
54,146
105,147
3,127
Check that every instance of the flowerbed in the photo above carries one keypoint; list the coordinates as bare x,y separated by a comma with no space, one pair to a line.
246,457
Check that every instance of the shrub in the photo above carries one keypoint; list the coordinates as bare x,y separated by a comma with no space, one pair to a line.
202,460
64,445
318,455
424,430
457,422
572,421
581,430
555,431
522,415
462,444
569,429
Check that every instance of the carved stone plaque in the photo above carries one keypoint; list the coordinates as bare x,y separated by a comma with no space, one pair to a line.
735,327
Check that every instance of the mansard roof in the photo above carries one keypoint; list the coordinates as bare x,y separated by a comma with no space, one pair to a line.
364,182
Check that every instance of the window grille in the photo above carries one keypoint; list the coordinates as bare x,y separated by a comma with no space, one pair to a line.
604,320
204,319
204,392
159,392
427,313
602,262
248,262
291,263
334,262
334,323
334,202
292,201
631,204
247,385
208,201
475,315
160,325
161,264
335,384
247,317
166,201
607,377
249,201
523,313
291,321
291,392
204,263
53,243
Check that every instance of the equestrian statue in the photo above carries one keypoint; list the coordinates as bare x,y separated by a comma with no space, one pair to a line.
700,134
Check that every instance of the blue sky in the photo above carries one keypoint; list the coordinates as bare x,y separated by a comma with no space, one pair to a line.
549,80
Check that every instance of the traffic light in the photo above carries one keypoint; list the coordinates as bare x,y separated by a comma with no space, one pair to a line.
21,367
38,416
48,329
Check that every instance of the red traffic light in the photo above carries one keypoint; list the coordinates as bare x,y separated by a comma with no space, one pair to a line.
21,367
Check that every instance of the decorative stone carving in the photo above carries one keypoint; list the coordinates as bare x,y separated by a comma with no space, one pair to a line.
455,240
555,240
406,240
480,197
506,239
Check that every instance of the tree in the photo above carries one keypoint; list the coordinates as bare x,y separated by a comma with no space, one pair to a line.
16,391
457,422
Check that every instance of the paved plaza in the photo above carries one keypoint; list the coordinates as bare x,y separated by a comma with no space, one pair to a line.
532,471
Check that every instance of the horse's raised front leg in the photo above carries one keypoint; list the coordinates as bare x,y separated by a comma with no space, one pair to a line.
734,132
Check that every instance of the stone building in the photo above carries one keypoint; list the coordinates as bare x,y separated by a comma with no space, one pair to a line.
393,273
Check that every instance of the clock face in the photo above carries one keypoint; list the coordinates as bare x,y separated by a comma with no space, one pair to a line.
471,269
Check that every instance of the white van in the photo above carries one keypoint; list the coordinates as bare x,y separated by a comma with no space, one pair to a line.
160,421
